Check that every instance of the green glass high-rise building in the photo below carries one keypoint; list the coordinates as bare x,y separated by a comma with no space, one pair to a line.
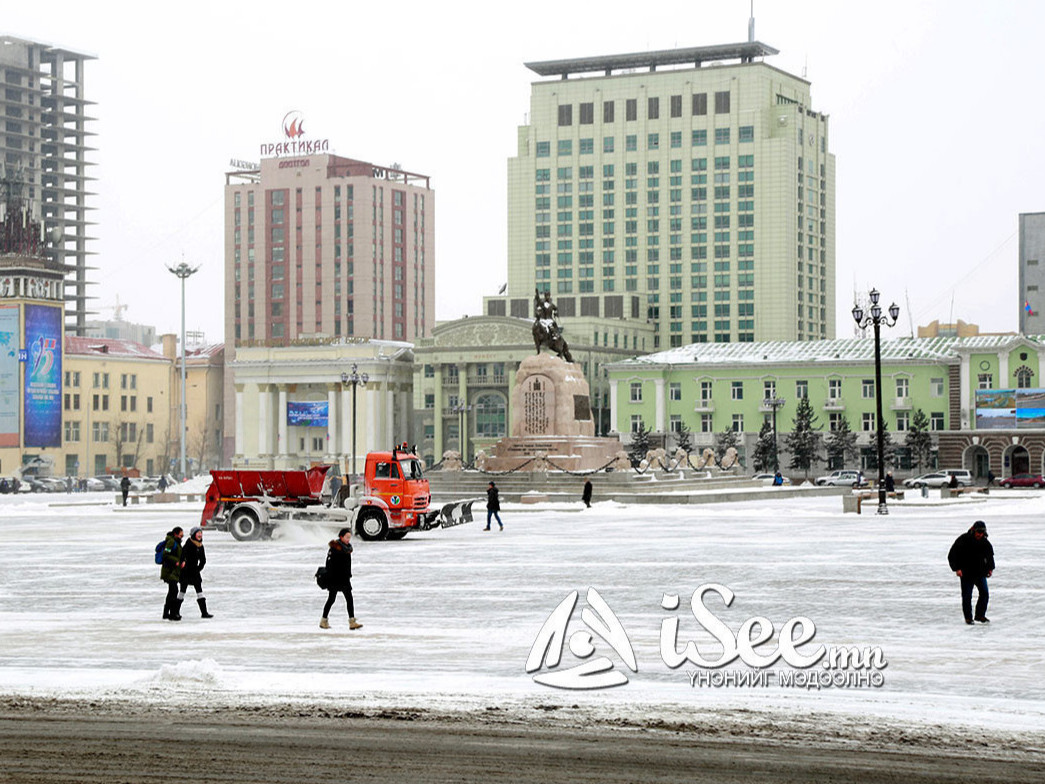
692,187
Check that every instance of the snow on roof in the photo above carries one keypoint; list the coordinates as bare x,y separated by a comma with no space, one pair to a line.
938,349
113,347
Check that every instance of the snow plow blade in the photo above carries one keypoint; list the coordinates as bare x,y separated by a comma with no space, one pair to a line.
451,514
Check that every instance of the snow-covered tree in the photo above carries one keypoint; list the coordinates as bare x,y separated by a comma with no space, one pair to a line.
919,440
726,439
841,445
803,442
640,444
764,457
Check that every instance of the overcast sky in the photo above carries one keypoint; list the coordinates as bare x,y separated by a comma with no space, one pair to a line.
936,120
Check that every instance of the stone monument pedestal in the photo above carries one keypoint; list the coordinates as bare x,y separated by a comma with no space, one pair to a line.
551,421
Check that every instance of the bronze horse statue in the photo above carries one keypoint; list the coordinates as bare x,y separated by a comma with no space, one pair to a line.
546,330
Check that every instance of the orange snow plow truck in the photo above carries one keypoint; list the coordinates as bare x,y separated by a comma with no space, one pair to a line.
394,500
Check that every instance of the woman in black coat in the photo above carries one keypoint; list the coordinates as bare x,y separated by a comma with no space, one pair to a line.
194,559
339,577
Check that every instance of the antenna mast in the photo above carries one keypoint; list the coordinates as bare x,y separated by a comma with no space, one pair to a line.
751,24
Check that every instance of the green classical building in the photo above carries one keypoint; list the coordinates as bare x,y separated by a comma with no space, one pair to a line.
698,181
983,396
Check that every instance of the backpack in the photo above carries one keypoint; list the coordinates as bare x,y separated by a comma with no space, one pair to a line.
159,551
322,578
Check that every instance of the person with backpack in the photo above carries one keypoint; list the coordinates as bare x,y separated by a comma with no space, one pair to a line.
493,506
194,558
170,572
339,578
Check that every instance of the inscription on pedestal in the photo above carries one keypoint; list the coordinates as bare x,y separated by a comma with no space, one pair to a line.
538,403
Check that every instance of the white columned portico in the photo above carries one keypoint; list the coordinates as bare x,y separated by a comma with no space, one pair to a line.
332,440
281,423
658,399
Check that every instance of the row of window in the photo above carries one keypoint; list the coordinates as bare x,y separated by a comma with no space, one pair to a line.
101,402
769,387
698,105
127,432
736,424
697,138
100,380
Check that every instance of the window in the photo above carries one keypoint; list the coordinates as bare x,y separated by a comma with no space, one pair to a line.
768,389
834,389
867,388
801,389
985,381
747,133
700,103
636,391
834,421
868,421
636,423
565,115
587,113
903,387
565,147
705,391
706,423
738,423
936,420
675,425
936,387
674,391
607,111
429,400
722,102
903,421
631,109
1023,377
653,109
722,136
737,390
544,149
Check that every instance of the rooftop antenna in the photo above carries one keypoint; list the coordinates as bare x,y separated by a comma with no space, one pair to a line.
751,24
910,318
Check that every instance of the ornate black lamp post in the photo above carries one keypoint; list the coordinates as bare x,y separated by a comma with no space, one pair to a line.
876,318
775,403
183,271
355,378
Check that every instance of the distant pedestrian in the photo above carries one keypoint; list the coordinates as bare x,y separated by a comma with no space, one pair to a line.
860,479
586,495
990,478
953,483
194,558
890,483
493,506
778,479
339,578
170,573
125,488
162,484
972,559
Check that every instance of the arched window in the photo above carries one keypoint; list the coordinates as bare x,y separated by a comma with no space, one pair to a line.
490,416
1024,375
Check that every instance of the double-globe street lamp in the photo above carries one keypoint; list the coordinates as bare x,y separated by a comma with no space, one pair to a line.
355,379
775,402
876,318
183,271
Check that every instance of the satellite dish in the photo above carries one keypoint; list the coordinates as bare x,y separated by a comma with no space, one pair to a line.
56,235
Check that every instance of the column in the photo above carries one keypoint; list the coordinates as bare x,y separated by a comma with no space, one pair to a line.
658,399
437,414
282,447
965,386
332,440
241,447
1004,382
613,406
264,429
462,400
391,436
370,440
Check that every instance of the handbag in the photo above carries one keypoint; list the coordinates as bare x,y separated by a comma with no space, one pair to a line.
322,578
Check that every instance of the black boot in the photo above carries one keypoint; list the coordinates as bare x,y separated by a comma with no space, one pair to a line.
176,610
166,611
203,608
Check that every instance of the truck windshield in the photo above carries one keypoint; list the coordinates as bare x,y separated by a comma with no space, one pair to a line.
412,469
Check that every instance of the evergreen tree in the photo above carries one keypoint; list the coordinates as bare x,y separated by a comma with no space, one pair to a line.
803,442
841,445
888,450
640,444
684,438
726,439
919,441
763,457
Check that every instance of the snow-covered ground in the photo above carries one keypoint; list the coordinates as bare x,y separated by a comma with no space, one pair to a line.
450,616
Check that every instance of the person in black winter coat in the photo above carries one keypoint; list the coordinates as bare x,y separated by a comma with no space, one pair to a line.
170,572
493,506
339,578
586,496
194,558
972,559
125,488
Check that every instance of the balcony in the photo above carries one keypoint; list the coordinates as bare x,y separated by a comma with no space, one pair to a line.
834,404
704,406
451,381
489,380
901,404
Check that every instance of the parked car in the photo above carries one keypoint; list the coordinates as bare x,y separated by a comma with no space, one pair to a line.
769,478
843,478
940,479
94,484
1023,480
110,482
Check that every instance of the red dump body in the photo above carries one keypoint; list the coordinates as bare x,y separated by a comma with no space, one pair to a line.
280,488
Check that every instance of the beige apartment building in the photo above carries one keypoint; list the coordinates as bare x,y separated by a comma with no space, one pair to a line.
698,179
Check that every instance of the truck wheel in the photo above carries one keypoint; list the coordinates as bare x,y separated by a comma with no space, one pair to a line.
372,526
397,534
245,527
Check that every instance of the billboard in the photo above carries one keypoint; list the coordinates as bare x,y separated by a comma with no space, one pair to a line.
307,414
43,376
1010,409
9,386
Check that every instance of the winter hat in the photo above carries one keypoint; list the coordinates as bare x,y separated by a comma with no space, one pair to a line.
979,525
193,530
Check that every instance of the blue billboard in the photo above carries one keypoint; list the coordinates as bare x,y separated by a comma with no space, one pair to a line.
307,414
43,376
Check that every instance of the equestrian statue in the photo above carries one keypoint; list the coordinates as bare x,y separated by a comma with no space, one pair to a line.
546,329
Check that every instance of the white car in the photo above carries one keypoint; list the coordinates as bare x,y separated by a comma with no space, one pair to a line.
939,479
842,478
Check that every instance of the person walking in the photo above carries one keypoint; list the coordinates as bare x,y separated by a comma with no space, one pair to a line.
990,478
972,559
170,573
194,558
339,578
162,484
890,483
493,506
125,488
586,495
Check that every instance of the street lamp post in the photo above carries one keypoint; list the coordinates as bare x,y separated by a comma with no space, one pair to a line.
355,378
183,271
876,318
775,403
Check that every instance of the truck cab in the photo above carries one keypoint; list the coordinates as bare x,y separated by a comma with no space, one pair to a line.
396,496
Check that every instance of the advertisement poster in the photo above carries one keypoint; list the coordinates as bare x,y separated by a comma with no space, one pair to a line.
9,387
43,376
998,409
308,414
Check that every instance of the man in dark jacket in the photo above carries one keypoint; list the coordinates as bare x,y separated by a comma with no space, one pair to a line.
194,558
125,488
586,495
339,578
972,559
493,506
170,573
